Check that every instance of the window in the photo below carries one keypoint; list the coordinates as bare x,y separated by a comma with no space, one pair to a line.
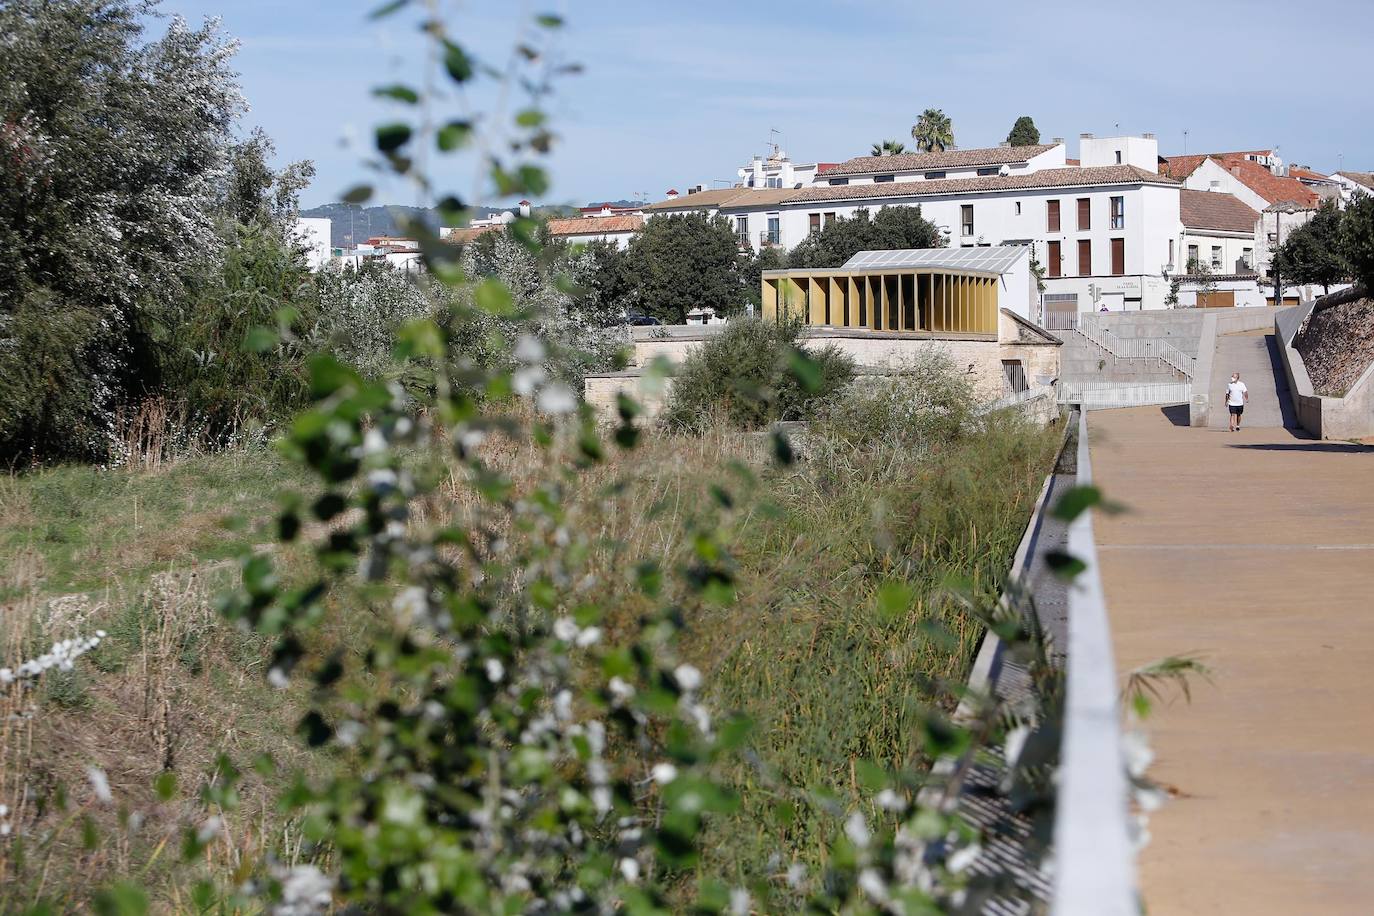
1118,157
881,178
932,175
1216,257
774,234
1052,216
1054,257
1171,252
835,181
1118,213
829,218
988,171
966,219
775,182
742,229
1013,375
1085,258
1118,257
1085,214
1192,257
1018,208
815,222
1248,256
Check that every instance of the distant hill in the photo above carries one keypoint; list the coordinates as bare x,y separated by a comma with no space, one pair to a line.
353,225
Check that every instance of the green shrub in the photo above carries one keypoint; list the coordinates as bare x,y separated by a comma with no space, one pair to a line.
746,375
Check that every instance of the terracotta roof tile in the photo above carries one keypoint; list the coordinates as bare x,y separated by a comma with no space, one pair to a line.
1266,184
954,158
1213,210
595,225
1045,178
725,199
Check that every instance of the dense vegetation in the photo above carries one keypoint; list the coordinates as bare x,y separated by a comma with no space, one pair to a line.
1334,246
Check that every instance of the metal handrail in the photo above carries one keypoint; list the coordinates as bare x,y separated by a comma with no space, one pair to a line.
1136,347
1094,857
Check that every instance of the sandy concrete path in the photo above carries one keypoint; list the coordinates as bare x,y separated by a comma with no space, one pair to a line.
1256,551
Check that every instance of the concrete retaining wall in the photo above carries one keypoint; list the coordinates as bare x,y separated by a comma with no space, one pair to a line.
1348,417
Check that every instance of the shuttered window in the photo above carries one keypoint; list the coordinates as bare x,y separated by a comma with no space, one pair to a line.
815,220
1055,259
1052,216
1085,258
1118,256
1085,214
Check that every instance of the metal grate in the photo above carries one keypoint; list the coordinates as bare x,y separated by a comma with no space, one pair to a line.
993,259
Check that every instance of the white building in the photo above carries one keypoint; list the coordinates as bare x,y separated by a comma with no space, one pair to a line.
1353,183
313,234
1218,232
581,230
1105,229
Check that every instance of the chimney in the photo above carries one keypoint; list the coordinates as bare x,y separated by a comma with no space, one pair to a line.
1148,136
1005,144
1085,136
672,194
524,208
1057,141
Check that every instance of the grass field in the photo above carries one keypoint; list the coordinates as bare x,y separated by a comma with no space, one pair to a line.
828,679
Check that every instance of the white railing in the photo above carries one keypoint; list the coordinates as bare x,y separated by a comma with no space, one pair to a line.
1136,347
1094,860
1102,395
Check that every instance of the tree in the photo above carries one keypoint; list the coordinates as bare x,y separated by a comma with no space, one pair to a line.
685,261
1314,252
120,148
933,131
1024,132
1357,240
888,148
892,229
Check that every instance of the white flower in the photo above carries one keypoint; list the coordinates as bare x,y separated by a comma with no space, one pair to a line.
872,884
382,480
889,800
495,670
210,829
1137,753
304,890
4,810
556,398
565,629
470,439
562,705
410,603
529,350
630,869
739,902
100,785
601,798
374,443
6,675
277,678
525,380
664,773
620,689
856,828
961,859
588,637
687,677
796,874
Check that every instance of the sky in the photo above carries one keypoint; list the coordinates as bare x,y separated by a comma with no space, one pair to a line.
685,92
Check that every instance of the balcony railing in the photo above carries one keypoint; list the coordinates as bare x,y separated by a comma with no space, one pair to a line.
770,238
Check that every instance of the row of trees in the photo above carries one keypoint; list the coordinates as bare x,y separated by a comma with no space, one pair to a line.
1334,246
934,132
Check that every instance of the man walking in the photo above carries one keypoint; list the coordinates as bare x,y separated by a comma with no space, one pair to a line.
1237,396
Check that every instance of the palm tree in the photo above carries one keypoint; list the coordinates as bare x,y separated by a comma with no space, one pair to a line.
888,148
933,131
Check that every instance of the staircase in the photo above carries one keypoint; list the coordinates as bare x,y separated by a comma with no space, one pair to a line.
1255,357
1156,349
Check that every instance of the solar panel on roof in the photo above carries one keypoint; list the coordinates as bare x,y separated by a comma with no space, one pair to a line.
989,259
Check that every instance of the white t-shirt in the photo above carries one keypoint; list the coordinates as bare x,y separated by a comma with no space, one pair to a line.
1235,394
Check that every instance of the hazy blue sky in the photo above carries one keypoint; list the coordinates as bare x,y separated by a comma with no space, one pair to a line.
681,92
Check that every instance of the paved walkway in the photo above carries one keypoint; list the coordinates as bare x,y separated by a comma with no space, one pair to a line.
1256,551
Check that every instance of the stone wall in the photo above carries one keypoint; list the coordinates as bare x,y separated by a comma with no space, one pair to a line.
1347,417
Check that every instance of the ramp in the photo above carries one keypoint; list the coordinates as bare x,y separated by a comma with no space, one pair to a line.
1255,356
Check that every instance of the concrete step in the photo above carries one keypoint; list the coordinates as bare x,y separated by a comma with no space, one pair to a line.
1254,356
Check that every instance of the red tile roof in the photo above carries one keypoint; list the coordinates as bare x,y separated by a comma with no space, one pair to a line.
1214,210
595,225
1254,176
949,159
468,233
1306,174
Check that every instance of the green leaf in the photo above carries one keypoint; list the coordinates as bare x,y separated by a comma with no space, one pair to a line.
782,449
493,298
1064,565
453,135
398,92
530,117
328,375
457,63
165,785
260,339
806,369
358,194
895,598
391,137
123,899
1075,502
386,9
549,20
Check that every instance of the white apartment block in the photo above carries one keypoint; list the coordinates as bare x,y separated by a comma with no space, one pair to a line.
1105,228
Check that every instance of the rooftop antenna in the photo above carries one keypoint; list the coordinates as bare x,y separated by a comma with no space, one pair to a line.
771,142
1185,141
